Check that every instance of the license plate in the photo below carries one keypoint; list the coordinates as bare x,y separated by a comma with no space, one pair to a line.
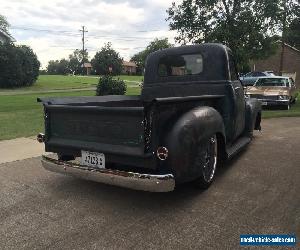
264,103
92,159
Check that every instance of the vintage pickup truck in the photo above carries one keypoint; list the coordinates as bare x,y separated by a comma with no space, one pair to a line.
191,115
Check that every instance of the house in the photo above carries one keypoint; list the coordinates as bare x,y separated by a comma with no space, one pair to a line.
129,68
5,37
87,68
290,65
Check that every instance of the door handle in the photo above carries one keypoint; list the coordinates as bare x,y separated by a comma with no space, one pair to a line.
236,88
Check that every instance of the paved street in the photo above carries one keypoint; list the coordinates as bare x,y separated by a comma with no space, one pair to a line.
257,192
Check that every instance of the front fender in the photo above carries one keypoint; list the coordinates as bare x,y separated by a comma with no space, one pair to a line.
186,135
253,115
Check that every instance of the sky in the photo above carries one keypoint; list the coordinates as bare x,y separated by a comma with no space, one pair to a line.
51,28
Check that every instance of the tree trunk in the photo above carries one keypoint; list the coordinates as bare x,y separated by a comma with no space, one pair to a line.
283,38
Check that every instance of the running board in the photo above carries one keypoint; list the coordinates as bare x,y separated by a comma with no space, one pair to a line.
237,146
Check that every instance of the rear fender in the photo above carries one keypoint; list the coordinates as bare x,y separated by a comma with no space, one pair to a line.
189,131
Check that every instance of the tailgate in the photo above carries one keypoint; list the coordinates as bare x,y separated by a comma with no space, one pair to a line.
117,130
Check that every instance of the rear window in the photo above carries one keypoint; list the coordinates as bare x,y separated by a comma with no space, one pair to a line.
180,65
272,82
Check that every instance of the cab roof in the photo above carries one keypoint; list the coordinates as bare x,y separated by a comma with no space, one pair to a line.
215,63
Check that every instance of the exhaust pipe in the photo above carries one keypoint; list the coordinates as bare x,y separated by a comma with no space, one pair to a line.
40,138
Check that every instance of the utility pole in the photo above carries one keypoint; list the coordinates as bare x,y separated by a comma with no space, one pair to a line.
83,42
83,48
283,36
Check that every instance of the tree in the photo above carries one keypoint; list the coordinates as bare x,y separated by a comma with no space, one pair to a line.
19,66
30,65
58,67
10,67
287,10
52,67
105,59
139,60
76,60
153,46
287,14
63,67
246,26
4,25
293,33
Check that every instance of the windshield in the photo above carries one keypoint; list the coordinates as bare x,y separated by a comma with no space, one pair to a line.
272,82
254,74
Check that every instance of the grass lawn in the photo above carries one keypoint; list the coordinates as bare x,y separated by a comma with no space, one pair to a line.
58,82
131,78
294,111
22,116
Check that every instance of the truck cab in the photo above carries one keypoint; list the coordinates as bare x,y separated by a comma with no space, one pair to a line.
191,116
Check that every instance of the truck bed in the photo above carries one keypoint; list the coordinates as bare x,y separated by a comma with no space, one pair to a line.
109,124
104,101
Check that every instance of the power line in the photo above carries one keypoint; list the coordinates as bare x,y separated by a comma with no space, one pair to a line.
135,48
93,49
67,31
123,38
62,32
83,35
73,33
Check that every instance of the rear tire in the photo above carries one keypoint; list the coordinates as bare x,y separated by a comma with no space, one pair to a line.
206,160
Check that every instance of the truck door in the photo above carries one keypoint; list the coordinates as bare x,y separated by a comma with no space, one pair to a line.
239,112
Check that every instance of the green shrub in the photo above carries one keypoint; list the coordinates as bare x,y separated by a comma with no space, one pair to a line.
19,66
109,86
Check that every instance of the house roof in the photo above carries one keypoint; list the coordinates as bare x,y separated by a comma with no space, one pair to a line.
6,35
291,47
129,64
87,65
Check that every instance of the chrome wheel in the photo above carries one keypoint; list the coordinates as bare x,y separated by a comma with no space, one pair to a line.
206,162
210,159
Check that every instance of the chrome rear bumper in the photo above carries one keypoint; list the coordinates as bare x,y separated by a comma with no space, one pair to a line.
145,182
266,102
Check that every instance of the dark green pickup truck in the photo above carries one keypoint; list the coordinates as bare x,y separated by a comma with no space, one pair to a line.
190,117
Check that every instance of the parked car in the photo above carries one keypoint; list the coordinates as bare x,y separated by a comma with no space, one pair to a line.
250,78
191,116
274,91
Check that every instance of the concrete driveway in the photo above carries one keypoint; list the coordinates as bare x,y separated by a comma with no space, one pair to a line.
20,149
257,192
